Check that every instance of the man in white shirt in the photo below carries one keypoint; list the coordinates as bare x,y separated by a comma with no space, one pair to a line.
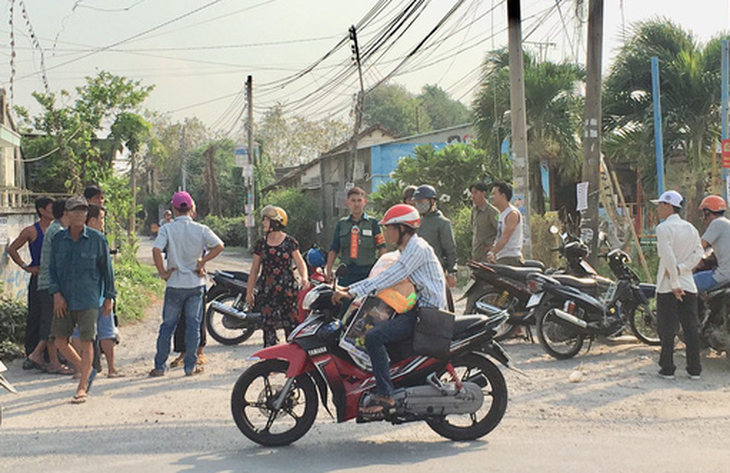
679,250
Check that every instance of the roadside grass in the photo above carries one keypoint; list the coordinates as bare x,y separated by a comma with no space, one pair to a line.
137,285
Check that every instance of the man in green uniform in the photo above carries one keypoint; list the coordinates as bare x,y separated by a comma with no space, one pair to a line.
357,239
437,231
483,222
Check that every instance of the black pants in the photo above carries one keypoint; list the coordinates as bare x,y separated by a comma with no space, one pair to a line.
33,319
669,312
179,338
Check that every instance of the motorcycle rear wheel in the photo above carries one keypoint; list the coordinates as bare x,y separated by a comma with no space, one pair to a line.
493,297
215,324
643,324
483,372
559,339
253,398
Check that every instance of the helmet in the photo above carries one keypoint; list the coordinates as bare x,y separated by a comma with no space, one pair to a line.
316,258
402,214
713,203
275,214
424,191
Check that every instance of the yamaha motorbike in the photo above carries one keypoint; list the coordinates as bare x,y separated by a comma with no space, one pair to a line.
566,315
461,397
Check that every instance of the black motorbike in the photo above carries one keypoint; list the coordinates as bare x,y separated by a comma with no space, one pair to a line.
714,313
506,286
568,314
228,318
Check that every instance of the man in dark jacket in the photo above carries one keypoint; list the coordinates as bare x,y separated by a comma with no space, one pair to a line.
437,231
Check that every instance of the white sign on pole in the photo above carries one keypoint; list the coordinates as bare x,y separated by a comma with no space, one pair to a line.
240,154
727,186
581,190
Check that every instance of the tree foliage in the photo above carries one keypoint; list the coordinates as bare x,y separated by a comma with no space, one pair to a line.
553,109
450,170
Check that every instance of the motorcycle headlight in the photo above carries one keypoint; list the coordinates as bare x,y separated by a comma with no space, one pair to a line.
309,299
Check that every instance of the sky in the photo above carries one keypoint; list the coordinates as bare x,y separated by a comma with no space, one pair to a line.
198,53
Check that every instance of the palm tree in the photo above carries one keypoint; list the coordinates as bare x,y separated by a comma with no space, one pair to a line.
690,94
553,108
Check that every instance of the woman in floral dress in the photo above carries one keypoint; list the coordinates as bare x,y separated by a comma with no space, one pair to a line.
276,288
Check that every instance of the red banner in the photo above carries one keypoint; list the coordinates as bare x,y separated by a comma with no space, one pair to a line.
726,154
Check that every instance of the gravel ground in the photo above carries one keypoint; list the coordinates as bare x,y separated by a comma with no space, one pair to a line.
620,417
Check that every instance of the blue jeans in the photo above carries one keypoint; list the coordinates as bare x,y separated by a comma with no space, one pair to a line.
394,330
705,281
175,299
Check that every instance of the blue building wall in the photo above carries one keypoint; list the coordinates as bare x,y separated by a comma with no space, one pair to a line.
384,159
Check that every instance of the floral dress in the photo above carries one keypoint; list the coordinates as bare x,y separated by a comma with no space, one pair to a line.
276,288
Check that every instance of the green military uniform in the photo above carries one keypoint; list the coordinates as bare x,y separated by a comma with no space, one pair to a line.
483,230
436,230
357,244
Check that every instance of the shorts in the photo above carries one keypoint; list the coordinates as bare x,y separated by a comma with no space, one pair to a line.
106,329
85,320
45,302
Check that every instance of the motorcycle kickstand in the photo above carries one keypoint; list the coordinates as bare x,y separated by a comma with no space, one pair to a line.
528,332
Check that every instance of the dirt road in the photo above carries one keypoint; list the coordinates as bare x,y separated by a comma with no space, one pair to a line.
621,417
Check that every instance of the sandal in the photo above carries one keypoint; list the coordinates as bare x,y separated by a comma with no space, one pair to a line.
178,361
63,370
115,374
201,360
376,405
79,399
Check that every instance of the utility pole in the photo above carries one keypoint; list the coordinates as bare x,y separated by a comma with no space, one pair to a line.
521,170
250,223
592,125
182,158
133,184
358,106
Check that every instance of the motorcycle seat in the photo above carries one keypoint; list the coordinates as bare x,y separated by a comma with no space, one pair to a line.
514,272
584,284
533,263
465,323
719,290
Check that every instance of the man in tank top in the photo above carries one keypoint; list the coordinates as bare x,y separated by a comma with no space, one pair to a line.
508,244
33,236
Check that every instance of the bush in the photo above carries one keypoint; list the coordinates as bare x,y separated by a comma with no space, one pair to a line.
462,234
232,231
543,241
137,284
12,327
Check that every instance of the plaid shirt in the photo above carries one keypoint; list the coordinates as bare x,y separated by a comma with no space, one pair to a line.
417,262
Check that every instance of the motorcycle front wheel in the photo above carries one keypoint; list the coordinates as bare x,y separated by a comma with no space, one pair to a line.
560,339
497,299
643,323
223,328
481,371
254,399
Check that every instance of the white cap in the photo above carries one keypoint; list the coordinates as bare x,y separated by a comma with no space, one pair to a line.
672,198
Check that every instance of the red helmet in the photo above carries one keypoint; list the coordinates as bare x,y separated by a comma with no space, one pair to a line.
402,214
713,203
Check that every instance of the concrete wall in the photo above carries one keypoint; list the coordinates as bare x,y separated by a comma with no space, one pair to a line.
14,279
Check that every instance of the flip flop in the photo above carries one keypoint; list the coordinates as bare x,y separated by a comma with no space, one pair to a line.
376,406
79,399
62,370
116,374
29,364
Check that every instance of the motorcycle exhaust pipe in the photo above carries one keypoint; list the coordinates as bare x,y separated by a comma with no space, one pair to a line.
569,318
235,313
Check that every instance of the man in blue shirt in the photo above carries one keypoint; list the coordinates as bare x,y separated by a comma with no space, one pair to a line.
81,275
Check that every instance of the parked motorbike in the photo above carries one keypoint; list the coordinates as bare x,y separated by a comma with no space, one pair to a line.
506,286
714,313
228,318
566,315
5,384
462,397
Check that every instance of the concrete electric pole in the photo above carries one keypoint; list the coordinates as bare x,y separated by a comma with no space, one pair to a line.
350,172
251,180
521,171
592,126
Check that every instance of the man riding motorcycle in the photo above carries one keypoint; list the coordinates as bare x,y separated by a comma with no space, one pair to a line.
717,236
417,262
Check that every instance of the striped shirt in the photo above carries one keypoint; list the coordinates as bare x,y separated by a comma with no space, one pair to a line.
419,263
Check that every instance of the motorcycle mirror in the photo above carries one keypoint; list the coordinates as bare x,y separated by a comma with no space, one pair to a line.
554,230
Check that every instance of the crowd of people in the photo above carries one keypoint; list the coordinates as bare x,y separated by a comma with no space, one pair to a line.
71,292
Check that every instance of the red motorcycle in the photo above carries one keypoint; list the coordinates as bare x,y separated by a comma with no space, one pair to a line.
462,397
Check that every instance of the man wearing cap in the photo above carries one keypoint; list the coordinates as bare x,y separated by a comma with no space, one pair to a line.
679,250
185,242
81,277
483,222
